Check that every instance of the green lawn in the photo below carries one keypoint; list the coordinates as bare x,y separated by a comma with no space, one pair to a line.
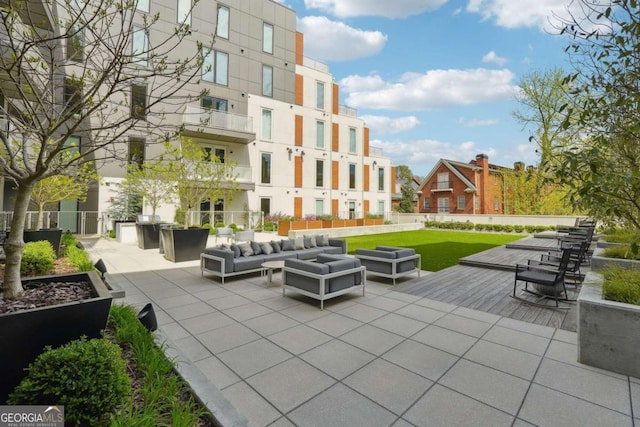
439,249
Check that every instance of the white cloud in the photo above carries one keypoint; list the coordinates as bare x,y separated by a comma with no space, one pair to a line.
354,8
542,14
382,125
472,123
328,40
493,58
433,89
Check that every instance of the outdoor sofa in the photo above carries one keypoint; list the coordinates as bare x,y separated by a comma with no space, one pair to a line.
328,277
390,261
247,257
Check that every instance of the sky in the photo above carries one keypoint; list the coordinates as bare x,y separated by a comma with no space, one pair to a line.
436,78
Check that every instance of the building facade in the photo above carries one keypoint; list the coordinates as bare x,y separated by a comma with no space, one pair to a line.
463,188
268,109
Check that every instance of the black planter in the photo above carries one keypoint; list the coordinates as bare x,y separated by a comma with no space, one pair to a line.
24,334
184,245
52,235
148,235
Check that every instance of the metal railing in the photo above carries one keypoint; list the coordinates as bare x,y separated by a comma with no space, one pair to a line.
217,119
375,151
442,185
77,222
316,65
343,110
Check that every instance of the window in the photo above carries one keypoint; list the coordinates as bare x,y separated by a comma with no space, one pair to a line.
380,207
266,124
265,172
142,5
265,206
380,179
139,46
443,205
496,204
476,202
461,202
352,140
319,134
443,181
75,44
184,12
267,80
222,24
215,66
319,207
72,95
427,204
209,152
320,95
213,103
135,156
352,176
319,173
139,101
267,38
352,210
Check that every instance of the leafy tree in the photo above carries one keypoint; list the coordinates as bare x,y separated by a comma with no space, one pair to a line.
527,191
127,203
70,69
601,168
408,192
150,182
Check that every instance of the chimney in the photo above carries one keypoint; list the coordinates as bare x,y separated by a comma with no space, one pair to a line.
518,166
482,161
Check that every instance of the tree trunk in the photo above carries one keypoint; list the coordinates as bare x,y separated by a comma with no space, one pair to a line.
14,245
40,216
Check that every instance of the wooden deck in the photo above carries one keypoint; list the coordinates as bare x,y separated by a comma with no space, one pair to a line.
484,281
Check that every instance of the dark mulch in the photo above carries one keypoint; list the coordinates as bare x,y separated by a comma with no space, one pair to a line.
47,294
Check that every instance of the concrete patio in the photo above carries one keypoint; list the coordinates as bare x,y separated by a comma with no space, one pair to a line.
388,358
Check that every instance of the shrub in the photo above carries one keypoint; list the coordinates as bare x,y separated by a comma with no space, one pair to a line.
68,240
234,227
37,258
179,216
507,228
111,234
269,226
208,226
480,227
622,236
622,251
518,228
219,224
497,227
530,228
88,377
79,258
621,285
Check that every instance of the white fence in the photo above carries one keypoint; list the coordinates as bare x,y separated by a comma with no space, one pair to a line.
402,218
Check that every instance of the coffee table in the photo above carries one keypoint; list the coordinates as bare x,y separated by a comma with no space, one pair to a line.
270,266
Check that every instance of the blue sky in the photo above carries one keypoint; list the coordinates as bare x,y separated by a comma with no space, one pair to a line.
436,78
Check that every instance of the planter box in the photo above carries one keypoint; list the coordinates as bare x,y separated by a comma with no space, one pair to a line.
184,245
351,223
24,334
148,235
116,222
608,331
284,227
52,235
598,262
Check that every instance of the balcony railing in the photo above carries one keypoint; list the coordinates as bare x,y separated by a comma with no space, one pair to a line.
316,65
375,151
441,185
343,110
199,116
241,173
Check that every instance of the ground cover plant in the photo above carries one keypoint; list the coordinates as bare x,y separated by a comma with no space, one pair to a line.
623,252
621,285
439,249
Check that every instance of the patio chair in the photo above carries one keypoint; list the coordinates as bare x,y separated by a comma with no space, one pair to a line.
226,232
577,258
549,281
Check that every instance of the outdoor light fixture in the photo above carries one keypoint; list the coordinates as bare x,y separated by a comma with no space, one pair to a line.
374,164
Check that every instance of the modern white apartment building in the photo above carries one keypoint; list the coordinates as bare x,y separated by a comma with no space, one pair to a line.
270,110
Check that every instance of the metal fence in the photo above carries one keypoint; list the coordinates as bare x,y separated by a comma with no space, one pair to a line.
77,222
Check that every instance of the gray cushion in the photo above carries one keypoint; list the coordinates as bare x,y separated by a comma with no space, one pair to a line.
255,246
311,253
405,252
332,250
236,251
299,243
377,253
322,240
245,248
288,245
310,242
266,248
324,258
276,247
248,263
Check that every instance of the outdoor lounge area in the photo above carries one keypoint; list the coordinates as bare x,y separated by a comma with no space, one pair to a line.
431,350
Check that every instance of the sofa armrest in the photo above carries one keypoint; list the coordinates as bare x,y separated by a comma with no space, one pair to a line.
375,253
217,259
388,248
340,243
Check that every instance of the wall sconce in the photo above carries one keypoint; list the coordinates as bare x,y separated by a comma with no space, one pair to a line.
302,153
374,164
242,94
287,191
324,154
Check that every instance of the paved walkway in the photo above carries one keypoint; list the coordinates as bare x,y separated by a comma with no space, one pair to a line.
388,358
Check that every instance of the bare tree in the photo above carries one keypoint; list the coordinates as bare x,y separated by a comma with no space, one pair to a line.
90,68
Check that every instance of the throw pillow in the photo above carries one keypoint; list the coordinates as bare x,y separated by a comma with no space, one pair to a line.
276,247
288,245
311,241
236,250
266,248
299,243
322,240
255,246
245,248
306,241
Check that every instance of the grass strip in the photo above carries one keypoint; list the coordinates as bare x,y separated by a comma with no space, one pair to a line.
439,249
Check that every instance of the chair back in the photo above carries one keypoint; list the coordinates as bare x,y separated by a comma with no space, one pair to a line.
564,264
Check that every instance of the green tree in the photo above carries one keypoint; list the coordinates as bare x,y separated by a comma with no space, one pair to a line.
150,182
528,191
68,69
601,168
408,192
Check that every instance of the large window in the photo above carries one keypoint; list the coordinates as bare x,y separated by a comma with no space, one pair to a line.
319,207
380,179
427,204
320,95
215,66
72,95
443,205
135,156
352,140
267,80
352,176
267,38
213,103
461,202
265,169
210,152
139,101
139,46
380,207
75,44
142,5
266,124
222,25
443,181
184,12
319,173
319,134
265,206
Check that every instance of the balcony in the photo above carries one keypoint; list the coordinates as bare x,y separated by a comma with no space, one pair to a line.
343,110
442,186
242,173
219,125
375,151
316,65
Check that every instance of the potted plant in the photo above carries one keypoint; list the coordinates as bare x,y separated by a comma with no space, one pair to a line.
194,176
